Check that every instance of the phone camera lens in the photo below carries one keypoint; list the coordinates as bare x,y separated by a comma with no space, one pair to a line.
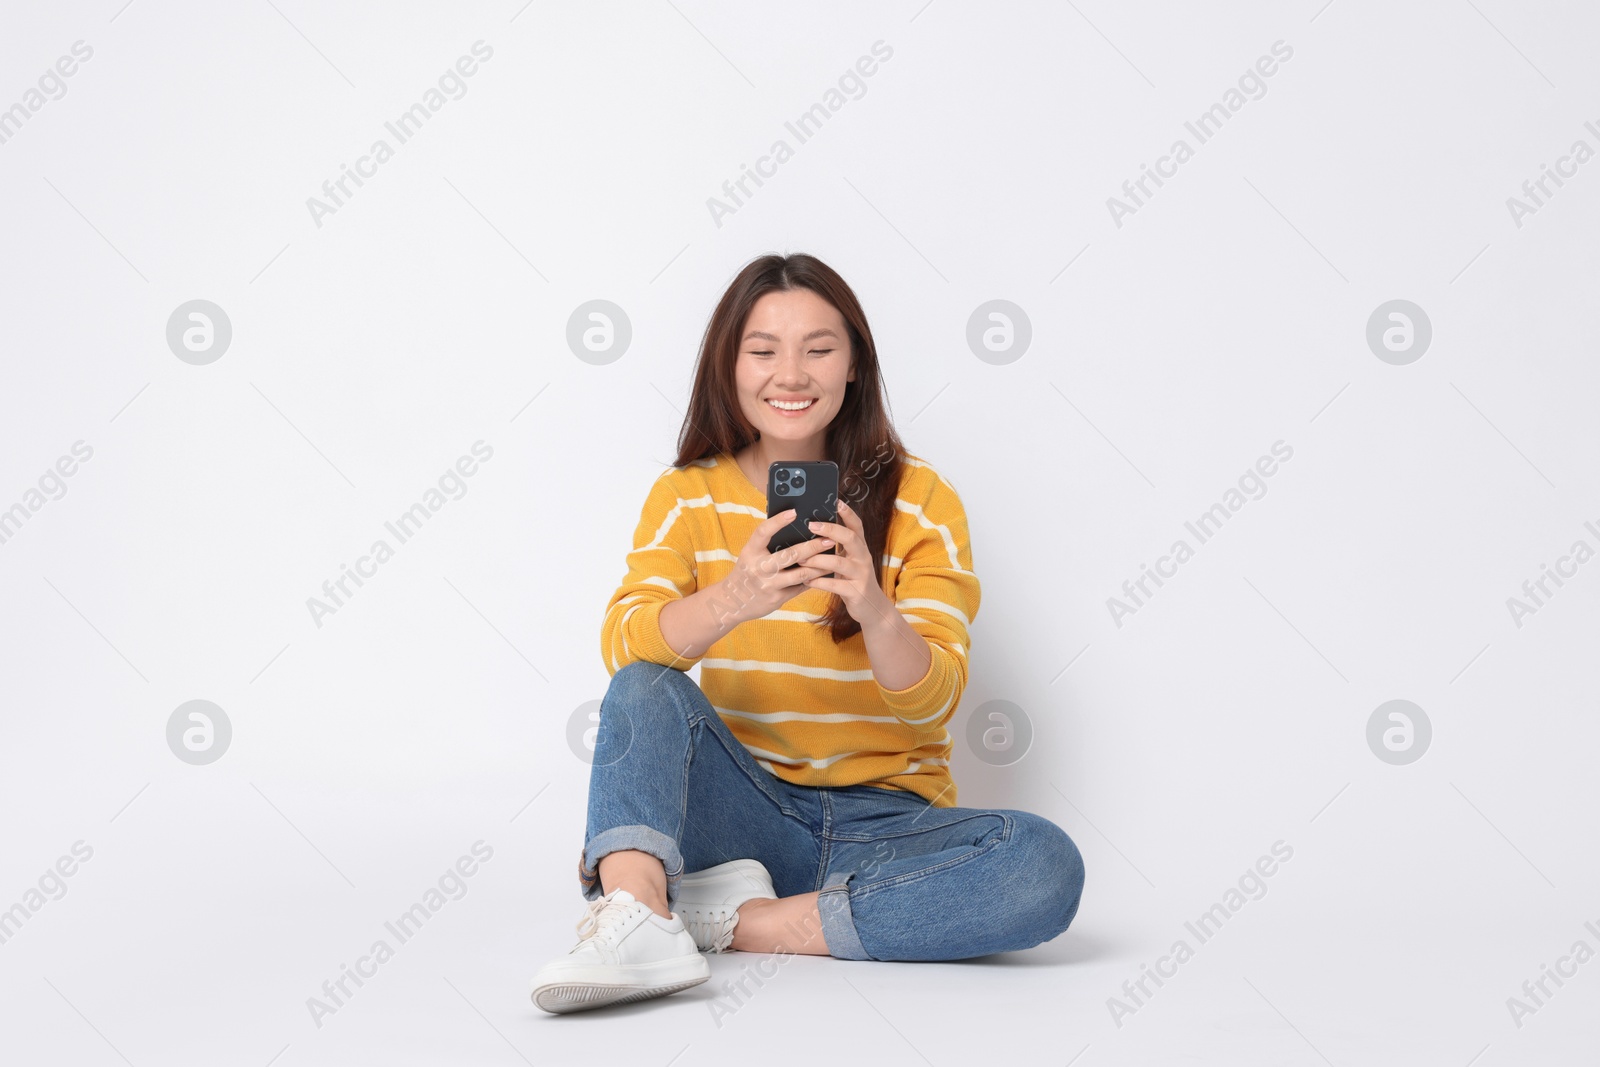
799,481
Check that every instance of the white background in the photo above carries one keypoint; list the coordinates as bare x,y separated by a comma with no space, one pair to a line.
430,312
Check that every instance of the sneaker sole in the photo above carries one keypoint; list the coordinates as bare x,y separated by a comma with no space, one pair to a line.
597,987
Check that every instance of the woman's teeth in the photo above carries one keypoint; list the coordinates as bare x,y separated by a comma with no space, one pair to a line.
791,405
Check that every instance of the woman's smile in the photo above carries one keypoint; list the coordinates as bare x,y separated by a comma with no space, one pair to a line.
791,408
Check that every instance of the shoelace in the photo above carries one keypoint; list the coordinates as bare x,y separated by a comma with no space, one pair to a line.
602,918
716,924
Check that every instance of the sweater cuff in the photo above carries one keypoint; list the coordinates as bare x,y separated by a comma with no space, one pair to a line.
645,641
924,696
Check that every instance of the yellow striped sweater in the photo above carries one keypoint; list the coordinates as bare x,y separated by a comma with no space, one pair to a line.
810,711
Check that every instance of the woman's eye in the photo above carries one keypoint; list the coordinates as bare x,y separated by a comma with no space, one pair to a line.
821,351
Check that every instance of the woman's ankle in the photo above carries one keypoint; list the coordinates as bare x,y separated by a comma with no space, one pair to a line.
640,873
647,896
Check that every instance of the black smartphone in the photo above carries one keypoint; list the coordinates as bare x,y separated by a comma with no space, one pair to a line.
812,489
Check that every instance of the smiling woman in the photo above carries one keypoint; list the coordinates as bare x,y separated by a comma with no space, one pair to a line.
800,798
791,351
791,392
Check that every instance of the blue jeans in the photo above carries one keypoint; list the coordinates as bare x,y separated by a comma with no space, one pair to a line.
898,879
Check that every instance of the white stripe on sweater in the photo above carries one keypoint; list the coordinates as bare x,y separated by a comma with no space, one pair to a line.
792,616
743,509
917,765
764,756
826,761
786,668
960,648
805,716
915,511
659,541
936,605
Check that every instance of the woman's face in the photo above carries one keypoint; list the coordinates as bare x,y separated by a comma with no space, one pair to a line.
796,350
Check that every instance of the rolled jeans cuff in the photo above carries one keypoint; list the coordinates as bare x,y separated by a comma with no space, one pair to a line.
838,926
643,838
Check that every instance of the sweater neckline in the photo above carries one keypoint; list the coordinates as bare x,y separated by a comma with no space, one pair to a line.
742,482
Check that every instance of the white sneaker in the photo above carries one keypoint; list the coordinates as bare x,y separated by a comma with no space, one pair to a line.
709,900
625,952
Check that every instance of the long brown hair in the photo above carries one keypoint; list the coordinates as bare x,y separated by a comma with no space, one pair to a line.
860,439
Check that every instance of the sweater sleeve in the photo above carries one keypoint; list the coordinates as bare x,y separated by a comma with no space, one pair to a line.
938,594
661,569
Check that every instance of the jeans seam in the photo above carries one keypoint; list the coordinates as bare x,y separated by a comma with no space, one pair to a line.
824,839
1005,831
696,717
1005,835
766,790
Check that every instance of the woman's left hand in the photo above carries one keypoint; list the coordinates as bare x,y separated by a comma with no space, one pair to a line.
855,578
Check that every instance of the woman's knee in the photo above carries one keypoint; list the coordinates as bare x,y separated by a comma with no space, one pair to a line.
649,704
650,687
639,672
1055,870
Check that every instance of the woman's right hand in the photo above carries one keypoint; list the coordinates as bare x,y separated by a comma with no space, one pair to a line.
762,581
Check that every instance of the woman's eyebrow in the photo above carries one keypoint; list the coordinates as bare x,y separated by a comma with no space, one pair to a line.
763,336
